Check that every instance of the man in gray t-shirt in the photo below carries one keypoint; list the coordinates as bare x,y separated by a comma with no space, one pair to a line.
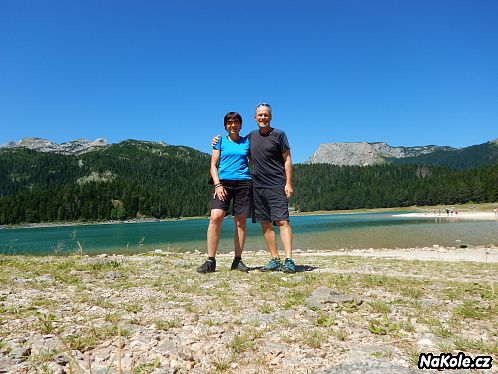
272,186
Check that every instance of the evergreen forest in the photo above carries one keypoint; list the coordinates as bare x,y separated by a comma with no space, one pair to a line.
329,187
136,179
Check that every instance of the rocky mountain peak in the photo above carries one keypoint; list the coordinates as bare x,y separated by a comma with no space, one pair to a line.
74,147
364,153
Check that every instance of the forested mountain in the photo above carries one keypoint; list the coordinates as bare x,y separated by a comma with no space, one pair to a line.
144,179
475,156
126,180
331,187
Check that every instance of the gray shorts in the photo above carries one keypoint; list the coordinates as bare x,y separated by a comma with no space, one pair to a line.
270,204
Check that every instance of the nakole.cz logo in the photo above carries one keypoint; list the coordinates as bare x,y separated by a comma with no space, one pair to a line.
449,361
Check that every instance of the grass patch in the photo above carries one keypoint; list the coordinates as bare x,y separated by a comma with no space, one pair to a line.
133,308
379,307
46,322
412,292
444,346
472,309
241,343
313,339
221,364
293,299
441,332
341,335
90,338
147,367
266,308
168,324
112,317
477,346
384,326
325,321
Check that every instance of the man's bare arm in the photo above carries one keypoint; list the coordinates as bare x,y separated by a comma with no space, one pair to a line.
288,173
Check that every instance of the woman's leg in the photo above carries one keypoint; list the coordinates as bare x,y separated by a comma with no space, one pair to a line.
213,232
240,235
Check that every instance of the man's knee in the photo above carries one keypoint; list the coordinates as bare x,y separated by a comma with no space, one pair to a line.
282,224
266,225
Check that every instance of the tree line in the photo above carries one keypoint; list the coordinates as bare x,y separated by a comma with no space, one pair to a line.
329,187
139,179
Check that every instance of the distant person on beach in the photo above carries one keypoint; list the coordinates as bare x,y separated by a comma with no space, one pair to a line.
272,186
231,183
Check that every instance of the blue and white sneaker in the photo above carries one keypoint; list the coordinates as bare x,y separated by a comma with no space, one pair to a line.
289,266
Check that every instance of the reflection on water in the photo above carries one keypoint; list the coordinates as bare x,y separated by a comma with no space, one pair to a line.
333,231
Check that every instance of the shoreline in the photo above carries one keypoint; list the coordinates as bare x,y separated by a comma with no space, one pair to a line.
484,216
71,224
467,211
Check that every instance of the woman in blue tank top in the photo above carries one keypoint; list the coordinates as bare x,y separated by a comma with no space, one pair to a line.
232,182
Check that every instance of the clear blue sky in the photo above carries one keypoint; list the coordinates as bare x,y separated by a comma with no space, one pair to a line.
407,72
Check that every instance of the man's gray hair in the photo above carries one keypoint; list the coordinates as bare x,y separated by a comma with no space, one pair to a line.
265,105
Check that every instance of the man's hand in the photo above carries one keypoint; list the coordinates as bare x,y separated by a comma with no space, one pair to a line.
215,140
288,190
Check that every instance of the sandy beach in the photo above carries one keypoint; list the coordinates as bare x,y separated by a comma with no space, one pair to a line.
484,216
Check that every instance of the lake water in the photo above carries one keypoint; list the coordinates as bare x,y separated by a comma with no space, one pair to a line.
331,231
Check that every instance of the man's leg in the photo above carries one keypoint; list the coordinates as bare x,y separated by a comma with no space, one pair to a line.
286,236
270,238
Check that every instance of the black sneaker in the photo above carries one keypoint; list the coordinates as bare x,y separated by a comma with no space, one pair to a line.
239,266
207,267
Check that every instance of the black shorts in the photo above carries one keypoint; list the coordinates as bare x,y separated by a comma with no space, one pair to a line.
270,204
241,194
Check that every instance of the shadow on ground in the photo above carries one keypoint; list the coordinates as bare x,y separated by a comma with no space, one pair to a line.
299,268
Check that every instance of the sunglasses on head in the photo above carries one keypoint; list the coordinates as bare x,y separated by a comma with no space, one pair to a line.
264,104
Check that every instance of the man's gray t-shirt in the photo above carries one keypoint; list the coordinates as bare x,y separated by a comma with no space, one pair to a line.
266,153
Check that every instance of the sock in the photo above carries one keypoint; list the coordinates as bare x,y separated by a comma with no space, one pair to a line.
212,259
236,260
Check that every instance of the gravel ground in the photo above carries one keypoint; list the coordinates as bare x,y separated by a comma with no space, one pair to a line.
342,312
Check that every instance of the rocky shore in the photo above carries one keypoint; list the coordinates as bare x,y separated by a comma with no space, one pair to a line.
342,312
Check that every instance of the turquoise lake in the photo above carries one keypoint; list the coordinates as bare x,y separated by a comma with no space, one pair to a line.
331,231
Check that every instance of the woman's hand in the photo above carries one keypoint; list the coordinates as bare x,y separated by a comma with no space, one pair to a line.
220,191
